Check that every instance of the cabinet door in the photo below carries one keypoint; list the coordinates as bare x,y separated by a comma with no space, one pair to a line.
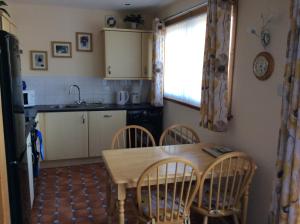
123,54
5,24
147,43
66,135
13,29
102,127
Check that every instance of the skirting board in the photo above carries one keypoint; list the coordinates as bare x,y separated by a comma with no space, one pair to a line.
70,162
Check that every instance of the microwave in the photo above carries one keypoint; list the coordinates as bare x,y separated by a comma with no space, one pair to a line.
29,98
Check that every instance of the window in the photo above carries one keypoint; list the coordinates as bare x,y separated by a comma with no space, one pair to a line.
184,52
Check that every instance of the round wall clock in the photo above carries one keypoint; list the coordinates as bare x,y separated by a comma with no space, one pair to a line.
263,65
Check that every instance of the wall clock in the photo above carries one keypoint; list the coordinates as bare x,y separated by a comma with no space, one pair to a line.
263,66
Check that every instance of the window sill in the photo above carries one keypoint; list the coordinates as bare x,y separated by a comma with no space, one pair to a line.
182,104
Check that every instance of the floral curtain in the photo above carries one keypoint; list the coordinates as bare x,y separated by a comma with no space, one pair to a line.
214,96
158,63
286,204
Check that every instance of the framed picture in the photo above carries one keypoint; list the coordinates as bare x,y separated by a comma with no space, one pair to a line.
39,60
84,41
61,49
110,21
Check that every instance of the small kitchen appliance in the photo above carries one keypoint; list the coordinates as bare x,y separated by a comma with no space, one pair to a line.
29,98
122,97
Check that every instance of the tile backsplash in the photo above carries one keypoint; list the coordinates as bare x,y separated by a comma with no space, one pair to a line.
50,89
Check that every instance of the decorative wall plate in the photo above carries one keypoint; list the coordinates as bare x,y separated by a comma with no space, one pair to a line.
263,65
110,21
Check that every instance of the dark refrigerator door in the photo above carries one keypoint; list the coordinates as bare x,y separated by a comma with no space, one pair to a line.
14,128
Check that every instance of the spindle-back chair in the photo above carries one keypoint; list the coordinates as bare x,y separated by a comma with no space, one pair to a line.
179,134
223,185
165,191
132,136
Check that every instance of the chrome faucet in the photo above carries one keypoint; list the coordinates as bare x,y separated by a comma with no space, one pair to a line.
79,101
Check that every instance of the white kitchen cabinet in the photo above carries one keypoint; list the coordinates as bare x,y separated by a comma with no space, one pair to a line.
128,54
66,135
6,24
147,43
102,127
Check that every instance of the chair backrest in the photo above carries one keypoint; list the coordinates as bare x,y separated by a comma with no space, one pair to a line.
166,189
223,184
132,136
179,134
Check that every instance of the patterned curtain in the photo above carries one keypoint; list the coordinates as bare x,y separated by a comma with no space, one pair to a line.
286,204
158,63
214,96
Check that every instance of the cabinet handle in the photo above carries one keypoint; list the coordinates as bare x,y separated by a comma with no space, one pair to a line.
145,71
109,70
83,119
107,116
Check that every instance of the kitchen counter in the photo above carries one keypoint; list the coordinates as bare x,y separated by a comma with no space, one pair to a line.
90,107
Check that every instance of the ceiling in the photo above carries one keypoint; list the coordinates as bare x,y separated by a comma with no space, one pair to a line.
104,4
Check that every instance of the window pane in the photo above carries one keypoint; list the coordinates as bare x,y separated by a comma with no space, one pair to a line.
184,51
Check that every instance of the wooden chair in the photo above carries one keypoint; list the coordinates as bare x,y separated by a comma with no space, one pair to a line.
223,186
132,136
179,134
165,192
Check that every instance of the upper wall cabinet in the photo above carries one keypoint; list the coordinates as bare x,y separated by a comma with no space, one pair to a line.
6,24
128,54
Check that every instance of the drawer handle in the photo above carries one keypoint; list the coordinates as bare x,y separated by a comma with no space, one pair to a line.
83,119
109,69
107,116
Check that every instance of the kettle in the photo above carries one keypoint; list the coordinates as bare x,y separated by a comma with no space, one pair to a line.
122,97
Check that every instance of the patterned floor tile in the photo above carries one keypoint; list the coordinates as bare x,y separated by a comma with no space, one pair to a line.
77,195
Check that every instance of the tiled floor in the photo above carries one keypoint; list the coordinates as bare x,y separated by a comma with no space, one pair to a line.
77,194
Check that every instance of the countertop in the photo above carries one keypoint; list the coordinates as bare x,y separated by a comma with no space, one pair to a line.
91,107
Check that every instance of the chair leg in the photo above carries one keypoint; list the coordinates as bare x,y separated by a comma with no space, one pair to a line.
205,220
235,218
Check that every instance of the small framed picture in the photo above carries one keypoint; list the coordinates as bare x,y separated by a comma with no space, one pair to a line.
84,41
110,21
61,49
39,60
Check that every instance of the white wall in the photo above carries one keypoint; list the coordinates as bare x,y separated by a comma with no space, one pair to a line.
256,104
38,25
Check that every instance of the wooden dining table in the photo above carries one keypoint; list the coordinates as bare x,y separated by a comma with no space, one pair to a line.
125,166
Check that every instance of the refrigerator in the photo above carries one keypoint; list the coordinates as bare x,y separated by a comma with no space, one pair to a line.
14,129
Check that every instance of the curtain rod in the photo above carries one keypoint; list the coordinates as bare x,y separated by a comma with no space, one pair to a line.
186,11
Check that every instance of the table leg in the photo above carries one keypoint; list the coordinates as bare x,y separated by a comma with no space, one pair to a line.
121,202
110,202
245,206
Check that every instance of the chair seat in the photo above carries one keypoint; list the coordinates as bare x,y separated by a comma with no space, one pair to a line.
213,210
145,206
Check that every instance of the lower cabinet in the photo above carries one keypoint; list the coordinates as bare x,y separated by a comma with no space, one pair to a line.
102,127
66,135
70,135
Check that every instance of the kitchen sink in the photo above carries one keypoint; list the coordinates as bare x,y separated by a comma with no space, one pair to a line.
74,106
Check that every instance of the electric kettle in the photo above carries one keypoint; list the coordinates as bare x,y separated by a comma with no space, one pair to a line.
122,97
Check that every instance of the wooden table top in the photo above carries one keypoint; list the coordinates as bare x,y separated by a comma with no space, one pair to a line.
126,165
